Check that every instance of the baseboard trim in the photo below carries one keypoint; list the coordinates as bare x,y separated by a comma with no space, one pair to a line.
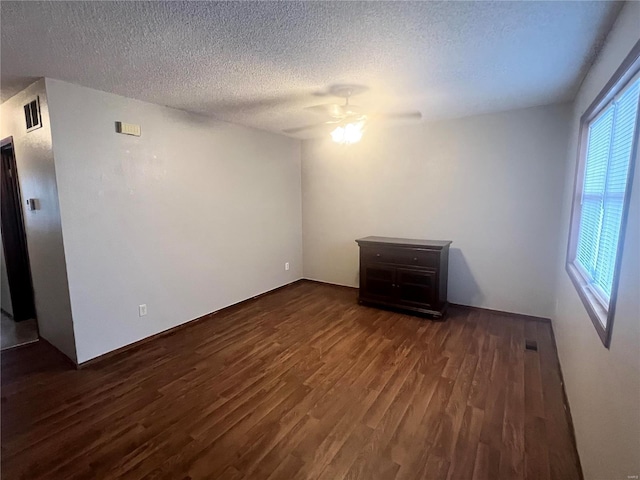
313,280
567,409
470,307
502,312
173,330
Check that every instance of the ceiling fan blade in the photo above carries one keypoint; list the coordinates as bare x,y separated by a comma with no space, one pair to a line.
308,127
332,109
412,115
337,111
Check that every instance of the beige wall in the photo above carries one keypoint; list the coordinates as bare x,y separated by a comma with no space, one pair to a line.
191,217
492,184
603,386
37,176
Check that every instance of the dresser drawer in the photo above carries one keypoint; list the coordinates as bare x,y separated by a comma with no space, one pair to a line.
419,258
376,255
400,256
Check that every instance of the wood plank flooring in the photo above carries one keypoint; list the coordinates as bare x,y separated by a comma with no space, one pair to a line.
301,383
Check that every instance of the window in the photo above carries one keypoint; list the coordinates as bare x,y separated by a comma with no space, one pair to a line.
608,146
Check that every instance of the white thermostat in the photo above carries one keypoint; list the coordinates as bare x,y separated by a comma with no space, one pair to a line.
128,129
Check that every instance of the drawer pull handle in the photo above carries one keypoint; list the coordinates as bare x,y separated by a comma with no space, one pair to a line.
415,259
377,254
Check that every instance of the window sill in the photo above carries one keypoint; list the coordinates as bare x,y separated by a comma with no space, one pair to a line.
598,314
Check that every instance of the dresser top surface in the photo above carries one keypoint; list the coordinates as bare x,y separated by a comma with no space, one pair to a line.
411,242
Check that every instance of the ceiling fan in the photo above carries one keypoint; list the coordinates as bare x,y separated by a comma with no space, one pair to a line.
349,120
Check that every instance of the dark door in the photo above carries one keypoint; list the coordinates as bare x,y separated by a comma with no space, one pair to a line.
379,281
14,239
416,287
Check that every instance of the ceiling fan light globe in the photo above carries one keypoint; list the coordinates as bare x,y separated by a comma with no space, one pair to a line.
349,134
353,132
337,135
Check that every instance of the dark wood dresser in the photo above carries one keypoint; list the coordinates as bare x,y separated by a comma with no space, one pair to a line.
403,273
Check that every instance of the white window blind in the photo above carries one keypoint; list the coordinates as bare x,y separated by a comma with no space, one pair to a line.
609,149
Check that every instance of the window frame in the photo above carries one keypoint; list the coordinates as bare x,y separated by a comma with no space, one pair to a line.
601,314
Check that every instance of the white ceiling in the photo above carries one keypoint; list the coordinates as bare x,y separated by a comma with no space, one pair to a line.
259,64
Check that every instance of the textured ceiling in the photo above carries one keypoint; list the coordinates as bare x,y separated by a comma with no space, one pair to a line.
259,64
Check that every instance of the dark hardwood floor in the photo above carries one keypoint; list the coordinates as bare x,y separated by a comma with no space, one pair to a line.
300,383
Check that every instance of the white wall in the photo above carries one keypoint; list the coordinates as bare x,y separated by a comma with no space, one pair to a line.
191,217
5,293
492,184
603,386
37,176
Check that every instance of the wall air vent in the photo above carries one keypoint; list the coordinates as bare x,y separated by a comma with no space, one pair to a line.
32,115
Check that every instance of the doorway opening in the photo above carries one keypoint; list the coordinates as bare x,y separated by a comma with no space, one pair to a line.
19,325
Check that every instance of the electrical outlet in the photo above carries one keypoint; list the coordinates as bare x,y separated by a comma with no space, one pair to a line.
286,266
142,310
